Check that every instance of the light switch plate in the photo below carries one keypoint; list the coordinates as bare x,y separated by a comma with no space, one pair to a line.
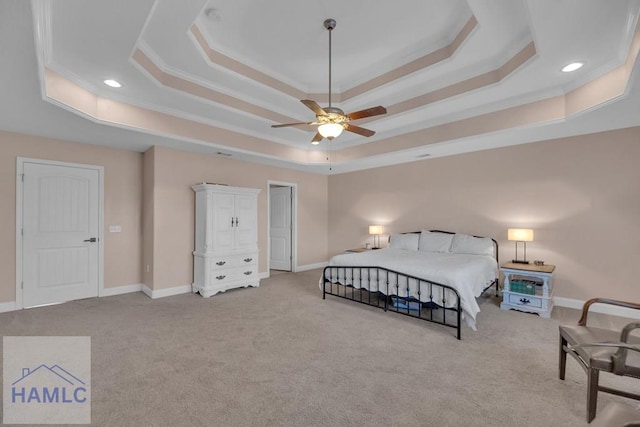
115,228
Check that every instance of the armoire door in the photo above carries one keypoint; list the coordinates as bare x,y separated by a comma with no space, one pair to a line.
223,216
245,225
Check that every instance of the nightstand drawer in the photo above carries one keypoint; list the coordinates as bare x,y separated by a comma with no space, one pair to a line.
524,300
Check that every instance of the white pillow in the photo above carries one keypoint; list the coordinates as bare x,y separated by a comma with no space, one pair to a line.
465,244
435,242
407,242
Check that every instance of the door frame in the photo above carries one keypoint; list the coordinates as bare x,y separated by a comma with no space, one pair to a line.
20,161
294,222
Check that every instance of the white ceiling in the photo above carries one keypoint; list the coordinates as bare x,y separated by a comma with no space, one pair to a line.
451,73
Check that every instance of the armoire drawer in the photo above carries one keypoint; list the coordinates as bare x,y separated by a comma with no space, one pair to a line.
249,272
231,261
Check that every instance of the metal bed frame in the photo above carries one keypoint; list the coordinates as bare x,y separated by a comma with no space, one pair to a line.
431,311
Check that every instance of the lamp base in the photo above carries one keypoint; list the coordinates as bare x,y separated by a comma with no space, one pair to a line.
517,261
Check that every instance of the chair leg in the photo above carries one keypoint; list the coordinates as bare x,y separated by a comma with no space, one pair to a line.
562,365
592,393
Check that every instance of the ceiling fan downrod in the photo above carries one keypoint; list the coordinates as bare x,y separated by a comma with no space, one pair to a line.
330,24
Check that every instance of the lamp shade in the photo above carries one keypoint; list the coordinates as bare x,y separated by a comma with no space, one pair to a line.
330,130
376,229
520,234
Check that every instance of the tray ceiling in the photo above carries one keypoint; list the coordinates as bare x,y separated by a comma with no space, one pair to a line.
213,76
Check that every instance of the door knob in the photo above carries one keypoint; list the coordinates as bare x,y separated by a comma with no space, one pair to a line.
92,240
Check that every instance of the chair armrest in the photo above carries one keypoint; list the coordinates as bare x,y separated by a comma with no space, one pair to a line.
624,337
589,303
619,359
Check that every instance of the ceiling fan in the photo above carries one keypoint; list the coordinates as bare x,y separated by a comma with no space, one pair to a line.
331,121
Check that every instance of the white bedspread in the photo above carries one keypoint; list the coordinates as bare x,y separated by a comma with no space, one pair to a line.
467,274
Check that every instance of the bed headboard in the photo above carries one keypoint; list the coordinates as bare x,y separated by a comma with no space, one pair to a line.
495,244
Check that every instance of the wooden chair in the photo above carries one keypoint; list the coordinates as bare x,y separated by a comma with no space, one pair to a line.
598,349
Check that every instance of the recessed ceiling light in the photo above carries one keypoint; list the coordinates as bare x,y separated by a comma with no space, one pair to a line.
112,83
572,67
315,142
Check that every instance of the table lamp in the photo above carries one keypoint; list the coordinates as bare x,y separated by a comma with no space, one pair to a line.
376,230
523,235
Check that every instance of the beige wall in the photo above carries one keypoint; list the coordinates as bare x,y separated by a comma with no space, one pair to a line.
581,195
122,204
174,209
150,196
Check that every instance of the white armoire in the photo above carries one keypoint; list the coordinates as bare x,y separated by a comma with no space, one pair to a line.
226,240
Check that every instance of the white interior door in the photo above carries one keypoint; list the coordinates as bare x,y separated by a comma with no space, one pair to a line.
280,228
61,224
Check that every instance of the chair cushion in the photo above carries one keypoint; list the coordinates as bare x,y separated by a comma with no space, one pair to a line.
600,357
596,357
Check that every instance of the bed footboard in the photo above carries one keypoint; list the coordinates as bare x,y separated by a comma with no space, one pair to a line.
394,291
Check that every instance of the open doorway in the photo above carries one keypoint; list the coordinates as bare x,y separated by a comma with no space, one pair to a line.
282,226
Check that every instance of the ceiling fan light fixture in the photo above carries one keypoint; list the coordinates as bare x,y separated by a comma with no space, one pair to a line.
330,130
331,121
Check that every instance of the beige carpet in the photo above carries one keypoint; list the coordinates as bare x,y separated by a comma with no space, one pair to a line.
280,355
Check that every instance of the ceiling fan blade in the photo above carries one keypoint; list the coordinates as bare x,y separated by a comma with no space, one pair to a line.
291,124
373,111
317,138
359,130
313,105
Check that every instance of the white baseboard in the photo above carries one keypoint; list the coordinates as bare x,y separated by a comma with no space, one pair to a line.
147,291
597,308
7,306
264,275
127,289
167,292
311,266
